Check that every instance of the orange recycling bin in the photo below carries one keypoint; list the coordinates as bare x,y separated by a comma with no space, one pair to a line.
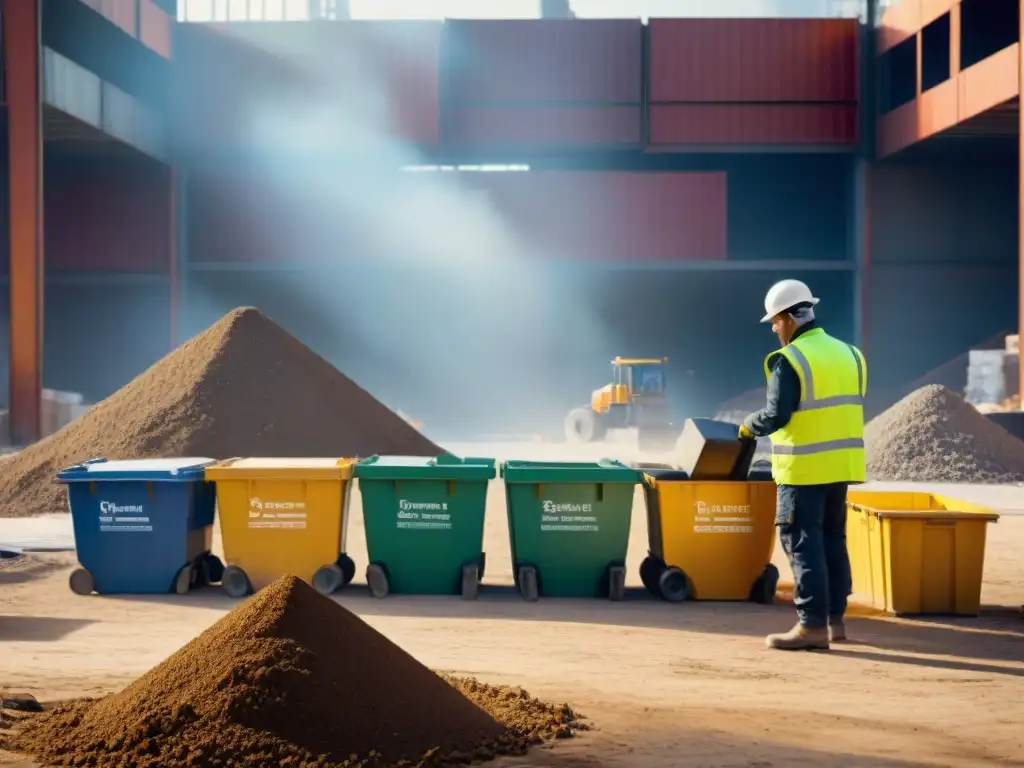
281,516
709,540
917,553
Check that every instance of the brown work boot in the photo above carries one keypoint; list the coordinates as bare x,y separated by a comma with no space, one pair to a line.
799,638
836,630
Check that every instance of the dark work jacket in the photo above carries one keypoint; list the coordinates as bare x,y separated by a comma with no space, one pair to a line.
783,394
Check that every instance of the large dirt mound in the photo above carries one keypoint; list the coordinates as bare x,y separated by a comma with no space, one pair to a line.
933,435
291,678
243,387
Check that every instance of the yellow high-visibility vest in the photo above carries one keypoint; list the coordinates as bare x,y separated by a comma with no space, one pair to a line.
824,440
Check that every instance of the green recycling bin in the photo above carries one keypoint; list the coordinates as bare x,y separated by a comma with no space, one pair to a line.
569,527
424,519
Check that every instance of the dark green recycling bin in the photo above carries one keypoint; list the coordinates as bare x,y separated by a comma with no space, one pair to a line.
424,521
569,527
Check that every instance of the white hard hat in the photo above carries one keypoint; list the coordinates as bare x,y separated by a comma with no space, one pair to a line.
785,294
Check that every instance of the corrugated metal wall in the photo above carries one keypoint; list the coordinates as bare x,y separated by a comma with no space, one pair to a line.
753,81
581,83
535,85
943,272
236,79
598,216
104,213
617,217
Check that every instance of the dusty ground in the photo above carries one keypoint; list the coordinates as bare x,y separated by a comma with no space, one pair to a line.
665,685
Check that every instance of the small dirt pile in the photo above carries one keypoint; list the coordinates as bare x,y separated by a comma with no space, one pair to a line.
243,387
933,435
291,678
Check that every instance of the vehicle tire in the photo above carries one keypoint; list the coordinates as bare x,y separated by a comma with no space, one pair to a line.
377,580
616,583
582,425
211,569
470,581
328,578
348,568
185,579
81,582
650,571
235,582
528,586
673,585
765,586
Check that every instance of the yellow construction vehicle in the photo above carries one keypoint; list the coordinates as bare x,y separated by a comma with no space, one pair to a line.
636,399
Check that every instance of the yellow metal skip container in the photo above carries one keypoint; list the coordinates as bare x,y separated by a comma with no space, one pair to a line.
710,540
917,553
280,516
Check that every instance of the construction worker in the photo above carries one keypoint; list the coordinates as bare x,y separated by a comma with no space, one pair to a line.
815,418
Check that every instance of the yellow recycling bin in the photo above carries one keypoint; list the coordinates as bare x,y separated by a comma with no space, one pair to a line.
917,553
280,516
709,540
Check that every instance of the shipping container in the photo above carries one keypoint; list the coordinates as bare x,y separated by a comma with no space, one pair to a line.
357,82
543,61
107,214
614,217
502,128
753,60
673,125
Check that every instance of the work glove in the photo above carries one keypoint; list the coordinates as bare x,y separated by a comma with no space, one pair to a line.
745,433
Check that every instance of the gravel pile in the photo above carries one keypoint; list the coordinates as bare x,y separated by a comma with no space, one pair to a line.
291,678
243,387
932,435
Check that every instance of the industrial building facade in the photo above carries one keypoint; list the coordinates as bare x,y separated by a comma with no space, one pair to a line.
655,179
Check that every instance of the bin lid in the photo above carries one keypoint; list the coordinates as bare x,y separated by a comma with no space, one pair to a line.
443,467
280,468
603,471
179,469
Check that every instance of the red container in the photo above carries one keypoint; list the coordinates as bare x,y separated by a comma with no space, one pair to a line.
753,60
550,61
109,215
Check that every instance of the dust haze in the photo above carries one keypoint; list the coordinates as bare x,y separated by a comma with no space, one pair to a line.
419,289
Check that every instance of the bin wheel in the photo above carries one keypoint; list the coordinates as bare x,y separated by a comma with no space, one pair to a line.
765,586
377,580
235,582
616,582
470,581
528,587
327,579
673,585
650,571
211,569
184,579
81,582
483,565
348,568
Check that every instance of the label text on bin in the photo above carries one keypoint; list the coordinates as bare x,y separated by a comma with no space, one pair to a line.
124,518
722,518
560,517
277,514
423,515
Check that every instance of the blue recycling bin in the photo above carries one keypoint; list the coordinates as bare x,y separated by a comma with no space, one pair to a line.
142,526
